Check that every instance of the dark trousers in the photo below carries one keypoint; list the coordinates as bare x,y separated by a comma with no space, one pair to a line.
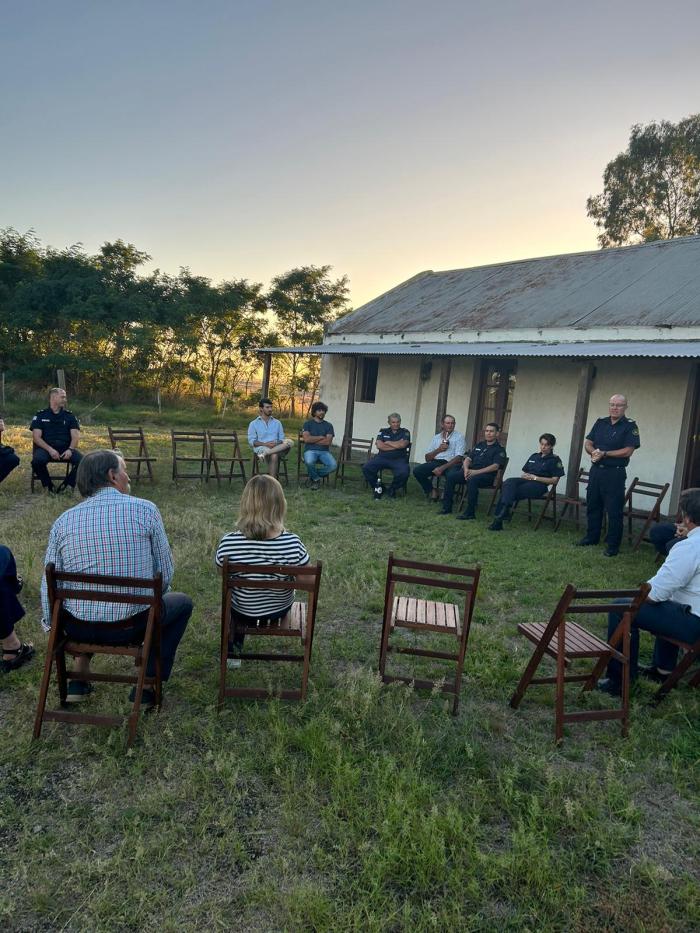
663,536
175,614
8,461
606,493
399,468
667,618
515,489
239,619
423,472
455,477
41,459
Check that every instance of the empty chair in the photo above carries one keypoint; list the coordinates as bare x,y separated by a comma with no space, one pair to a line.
574,502
354,452
654,494
125,440
190,455
225,457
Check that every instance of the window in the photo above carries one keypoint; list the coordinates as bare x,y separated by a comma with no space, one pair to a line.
496,394
367,388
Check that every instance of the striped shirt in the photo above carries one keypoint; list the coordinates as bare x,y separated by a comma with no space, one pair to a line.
108,533
284,549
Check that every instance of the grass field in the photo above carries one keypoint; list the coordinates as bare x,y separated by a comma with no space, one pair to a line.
366,808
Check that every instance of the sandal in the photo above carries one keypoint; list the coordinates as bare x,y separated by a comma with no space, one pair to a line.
22,654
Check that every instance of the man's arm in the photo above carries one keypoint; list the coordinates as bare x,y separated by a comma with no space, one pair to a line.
252,435
492,468
40,442
74,441
439,448
598,455
444,467
52,557
675,573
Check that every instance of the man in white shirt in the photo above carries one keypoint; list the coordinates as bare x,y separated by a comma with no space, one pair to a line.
672,607
446,450
266,437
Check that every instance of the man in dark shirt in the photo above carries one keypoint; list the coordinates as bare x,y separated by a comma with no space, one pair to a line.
478,471
610,444
317,435
541,470
56,434
393,444
8,458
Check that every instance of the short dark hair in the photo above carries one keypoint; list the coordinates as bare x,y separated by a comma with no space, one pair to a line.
264,401
689,505
93,471
318,406
550,438
494,424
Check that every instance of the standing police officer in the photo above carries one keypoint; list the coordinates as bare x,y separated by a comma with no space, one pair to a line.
610,444
56,434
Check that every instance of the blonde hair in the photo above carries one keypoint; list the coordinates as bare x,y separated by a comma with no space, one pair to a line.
262,508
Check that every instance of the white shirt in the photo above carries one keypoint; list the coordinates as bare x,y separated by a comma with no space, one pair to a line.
678,578
457,445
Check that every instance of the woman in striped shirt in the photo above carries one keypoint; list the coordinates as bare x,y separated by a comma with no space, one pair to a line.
260,538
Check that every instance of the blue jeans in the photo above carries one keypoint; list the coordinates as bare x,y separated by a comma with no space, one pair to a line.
667,618
324,457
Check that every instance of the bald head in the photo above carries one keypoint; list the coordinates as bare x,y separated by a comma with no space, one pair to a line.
617,406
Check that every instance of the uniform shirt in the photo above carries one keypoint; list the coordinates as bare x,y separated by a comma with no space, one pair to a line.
265,431
608,436
539,465
317,429
11,610
678,577
484,455
55,427
284,549
386,434
456,448
108,533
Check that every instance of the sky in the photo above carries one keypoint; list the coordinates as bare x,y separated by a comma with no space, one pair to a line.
382,138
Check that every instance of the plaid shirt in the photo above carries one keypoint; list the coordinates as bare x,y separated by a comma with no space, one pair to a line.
108,533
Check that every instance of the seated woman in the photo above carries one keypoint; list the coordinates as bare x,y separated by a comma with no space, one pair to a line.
14,652
261,538
541,470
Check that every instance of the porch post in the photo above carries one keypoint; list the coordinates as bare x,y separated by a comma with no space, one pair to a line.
267,366
578,428
443,392
350,402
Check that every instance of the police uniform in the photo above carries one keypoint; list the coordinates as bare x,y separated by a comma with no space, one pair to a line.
517,488
483,455
394,460
606,486
8,459
55,430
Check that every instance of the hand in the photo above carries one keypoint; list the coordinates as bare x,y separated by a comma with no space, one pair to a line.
466,472
681,531
443,446
67,454
53,453
597,455
438,471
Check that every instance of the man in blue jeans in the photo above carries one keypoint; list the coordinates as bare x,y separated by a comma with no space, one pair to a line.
672,608
317,435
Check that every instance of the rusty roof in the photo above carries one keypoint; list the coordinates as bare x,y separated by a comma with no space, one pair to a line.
655,284
584,349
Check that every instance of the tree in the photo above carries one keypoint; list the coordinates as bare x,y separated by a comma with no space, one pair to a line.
651,191
304,301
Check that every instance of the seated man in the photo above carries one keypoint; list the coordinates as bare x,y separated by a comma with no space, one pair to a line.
8,458
541,470
478,471
266,437
56,434
665,535
112,532
672,607
14,652
446,450
393,444
317,435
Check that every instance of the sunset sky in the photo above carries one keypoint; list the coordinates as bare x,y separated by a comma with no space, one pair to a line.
383,138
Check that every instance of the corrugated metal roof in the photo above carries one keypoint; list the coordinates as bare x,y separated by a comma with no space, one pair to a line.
593,350
655,284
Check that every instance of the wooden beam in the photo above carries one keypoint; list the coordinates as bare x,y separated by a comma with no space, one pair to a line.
350,402
267,366
578,429
443,392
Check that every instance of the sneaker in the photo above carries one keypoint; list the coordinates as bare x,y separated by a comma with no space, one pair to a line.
78,690
315,484
148,698
466,517
233,663
653,673
611,687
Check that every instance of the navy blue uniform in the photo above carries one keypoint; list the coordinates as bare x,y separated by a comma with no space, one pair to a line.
606,486
483,455
8,460
518,488
55,430
394,460
11,609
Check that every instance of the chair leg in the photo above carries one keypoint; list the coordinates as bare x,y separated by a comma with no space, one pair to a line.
223,655
528,674
44,689
307,665
676,674
458,674
61,675
384,646
626,682
559,703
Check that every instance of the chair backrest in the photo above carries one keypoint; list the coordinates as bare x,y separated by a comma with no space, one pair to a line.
363,445
226,439
236,575
103,588
655,491
595,601
437,576
119,436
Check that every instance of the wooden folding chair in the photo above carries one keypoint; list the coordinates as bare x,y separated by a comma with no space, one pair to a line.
299,622
691,653
92,587
573,502
300,463
61,473
121,439
191,440
566,641
497,485
424,615
549,499
654,491
361,446
224,449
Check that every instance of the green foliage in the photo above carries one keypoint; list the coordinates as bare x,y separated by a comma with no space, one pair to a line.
652,190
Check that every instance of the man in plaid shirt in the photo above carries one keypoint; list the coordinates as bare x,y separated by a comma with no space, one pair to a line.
113,533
